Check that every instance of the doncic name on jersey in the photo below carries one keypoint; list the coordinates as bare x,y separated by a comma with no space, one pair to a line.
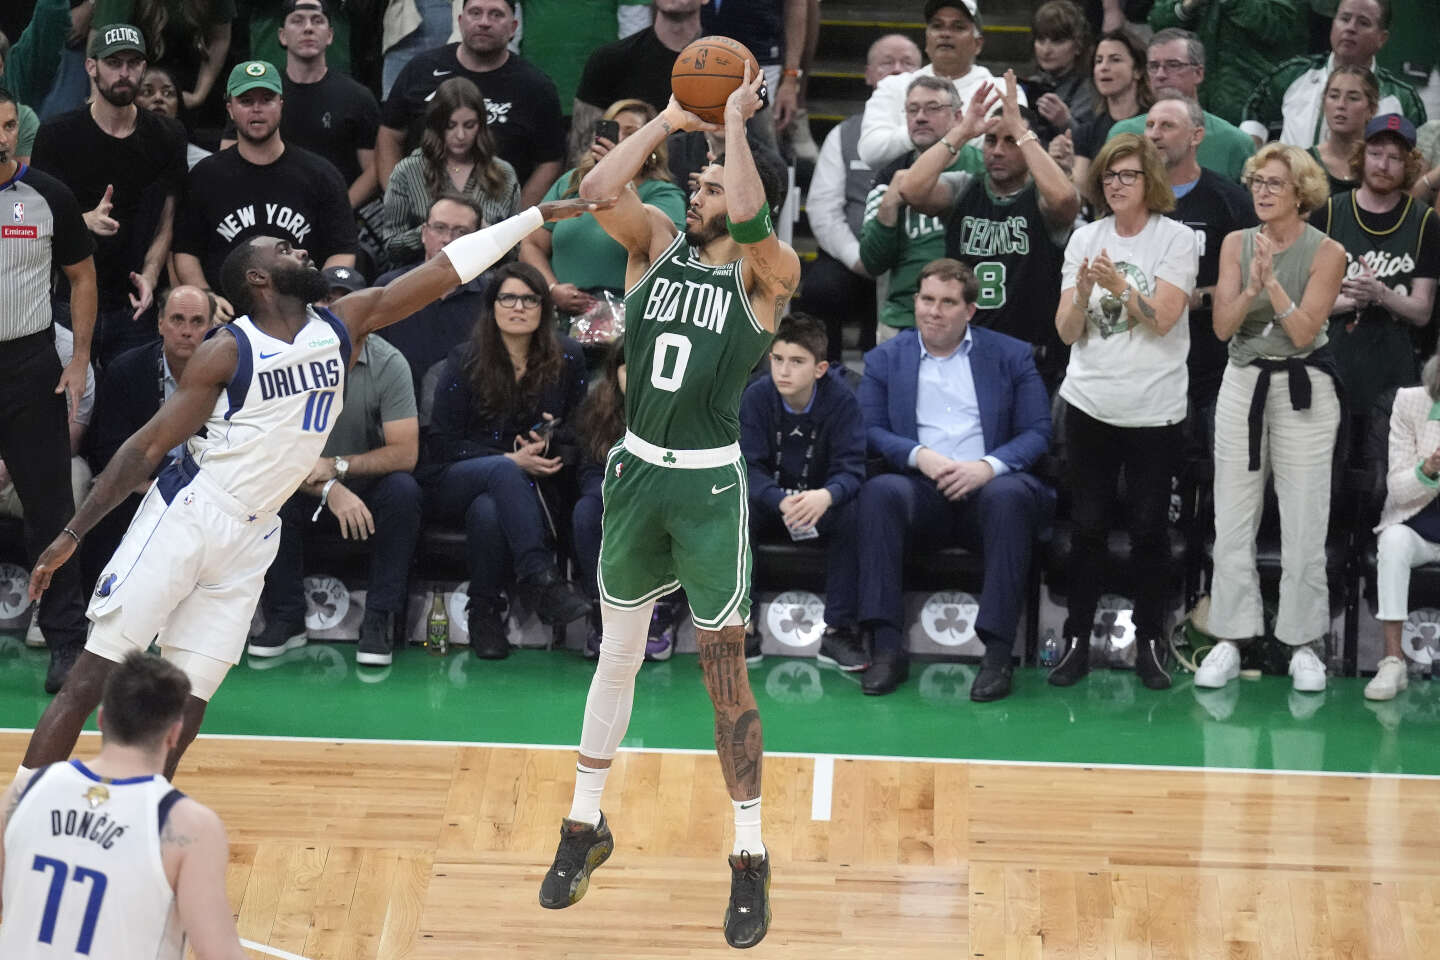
299,378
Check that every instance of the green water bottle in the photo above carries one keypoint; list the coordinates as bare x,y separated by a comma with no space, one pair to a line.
437,629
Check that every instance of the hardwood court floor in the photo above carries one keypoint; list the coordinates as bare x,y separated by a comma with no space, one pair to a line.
357,850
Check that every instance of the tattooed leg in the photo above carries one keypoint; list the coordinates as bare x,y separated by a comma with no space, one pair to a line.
739,740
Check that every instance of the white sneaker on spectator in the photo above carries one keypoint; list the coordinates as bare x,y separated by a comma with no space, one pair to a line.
1307,671
1390,678
1220,666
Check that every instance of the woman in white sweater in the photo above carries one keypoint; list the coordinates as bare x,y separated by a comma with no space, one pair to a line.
1409,525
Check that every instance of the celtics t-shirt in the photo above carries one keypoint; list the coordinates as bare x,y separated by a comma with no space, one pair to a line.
229,199
582,252
1122,373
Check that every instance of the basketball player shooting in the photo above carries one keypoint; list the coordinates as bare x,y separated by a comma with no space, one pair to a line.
253,410
701,309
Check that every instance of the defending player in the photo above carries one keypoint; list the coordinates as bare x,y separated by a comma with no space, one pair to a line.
701,309
253,409
104,858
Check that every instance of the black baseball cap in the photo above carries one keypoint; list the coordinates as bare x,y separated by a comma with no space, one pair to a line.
971,8
117,38
346,278
290,6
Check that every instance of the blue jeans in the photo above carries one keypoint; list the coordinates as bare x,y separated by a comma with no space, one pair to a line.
837,535
498,506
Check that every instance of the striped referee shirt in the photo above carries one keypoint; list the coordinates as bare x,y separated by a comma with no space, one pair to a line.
40,228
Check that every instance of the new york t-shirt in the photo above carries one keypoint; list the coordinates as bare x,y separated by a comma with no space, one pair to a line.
299,197
523,109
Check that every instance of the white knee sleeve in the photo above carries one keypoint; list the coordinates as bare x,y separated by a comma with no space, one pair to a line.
612,689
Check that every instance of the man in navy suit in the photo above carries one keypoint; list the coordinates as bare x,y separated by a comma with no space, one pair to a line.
960,415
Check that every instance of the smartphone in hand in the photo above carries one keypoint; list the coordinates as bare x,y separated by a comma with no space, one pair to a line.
545,428
608,129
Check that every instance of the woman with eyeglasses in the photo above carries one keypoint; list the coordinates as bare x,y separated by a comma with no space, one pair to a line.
499,437
579,260
1124,311
1121,90
456,153
1277,413
1352,95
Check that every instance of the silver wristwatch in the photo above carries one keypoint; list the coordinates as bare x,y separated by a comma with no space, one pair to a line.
342,467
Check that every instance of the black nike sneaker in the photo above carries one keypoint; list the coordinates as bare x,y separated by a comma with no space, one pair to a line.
582,849
748,916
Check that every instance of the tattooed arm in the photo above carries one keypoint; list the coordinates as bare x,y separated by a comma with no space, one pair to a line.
195,852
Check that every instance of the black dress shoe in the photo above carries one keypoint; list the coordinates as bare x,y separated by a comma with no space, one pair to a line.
62,658
992,684
886,672
1150,656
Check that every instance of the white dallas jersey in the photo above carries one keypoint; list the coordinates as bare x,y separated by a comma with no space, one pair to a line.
271,423
83,873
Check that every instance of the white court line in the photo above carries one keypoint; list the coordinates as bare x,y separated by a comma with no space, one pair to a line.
261,948
686,751
821,787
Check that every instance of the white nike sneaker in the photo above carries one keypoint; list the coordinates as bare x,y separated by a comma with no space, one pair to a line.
1306,670
1220,666
1390,678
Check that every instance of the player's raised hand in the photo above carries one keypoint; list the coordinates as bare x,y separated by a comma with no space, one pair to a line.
574,207
746,100
678,119
52,559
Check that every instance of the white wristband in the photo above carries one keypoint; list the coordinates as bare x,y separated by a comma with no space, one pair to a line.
474,253
324,498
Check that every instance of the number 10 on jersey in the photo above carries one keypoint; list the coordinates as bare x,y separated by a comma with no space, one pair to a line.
317,410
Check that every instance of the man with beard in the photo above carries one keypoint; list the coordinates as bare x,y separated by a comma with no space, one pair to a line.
126,167
1213,206
523,106
1010,225
1392,260
252,413
262,185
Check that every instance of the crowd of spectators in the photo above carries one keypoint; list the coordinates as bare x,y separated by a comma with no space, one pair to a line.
1200,230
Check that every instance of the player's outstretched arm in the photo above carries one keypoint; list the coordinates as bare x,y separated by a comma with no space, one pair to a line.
771,267
464,259
209,371
194,839
628,222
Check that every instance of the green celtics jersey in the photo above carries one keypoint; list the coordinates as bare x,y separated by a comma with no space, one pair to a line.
691,341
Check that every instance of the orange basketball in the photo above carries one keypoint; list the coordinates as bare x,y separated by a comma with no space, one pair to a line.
707,72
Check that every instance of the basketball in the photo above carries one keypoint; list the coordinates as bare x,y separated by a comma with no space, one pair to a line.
707,72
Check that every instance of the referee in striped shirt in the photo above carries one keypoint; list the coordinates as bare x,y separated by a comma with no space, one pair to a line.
41,227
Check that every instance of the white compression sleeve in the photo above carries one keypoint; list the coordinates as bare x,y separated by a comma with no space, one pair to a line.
612,689
472,254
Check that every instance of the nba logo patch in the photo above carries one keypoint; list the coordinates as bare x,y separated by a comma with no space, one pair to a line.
17,211
189,498
618,467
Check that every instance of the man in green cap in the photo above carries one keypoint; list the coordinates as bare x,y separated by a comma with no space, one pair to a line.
260,185
126,167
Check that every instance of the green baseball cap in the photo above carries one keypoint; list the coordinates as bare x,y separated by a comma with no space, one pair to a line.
251,75
117,38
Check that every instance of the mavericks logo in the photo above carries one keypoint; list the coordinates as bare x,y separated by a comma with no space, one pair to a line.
326,602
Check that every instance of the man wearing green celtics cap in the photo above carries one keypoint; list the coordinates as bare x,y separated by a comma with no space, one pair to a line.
126,167
260,185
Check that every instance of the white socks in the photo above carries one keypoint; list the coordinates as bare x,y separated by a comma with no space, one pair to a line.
589,785
747,828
